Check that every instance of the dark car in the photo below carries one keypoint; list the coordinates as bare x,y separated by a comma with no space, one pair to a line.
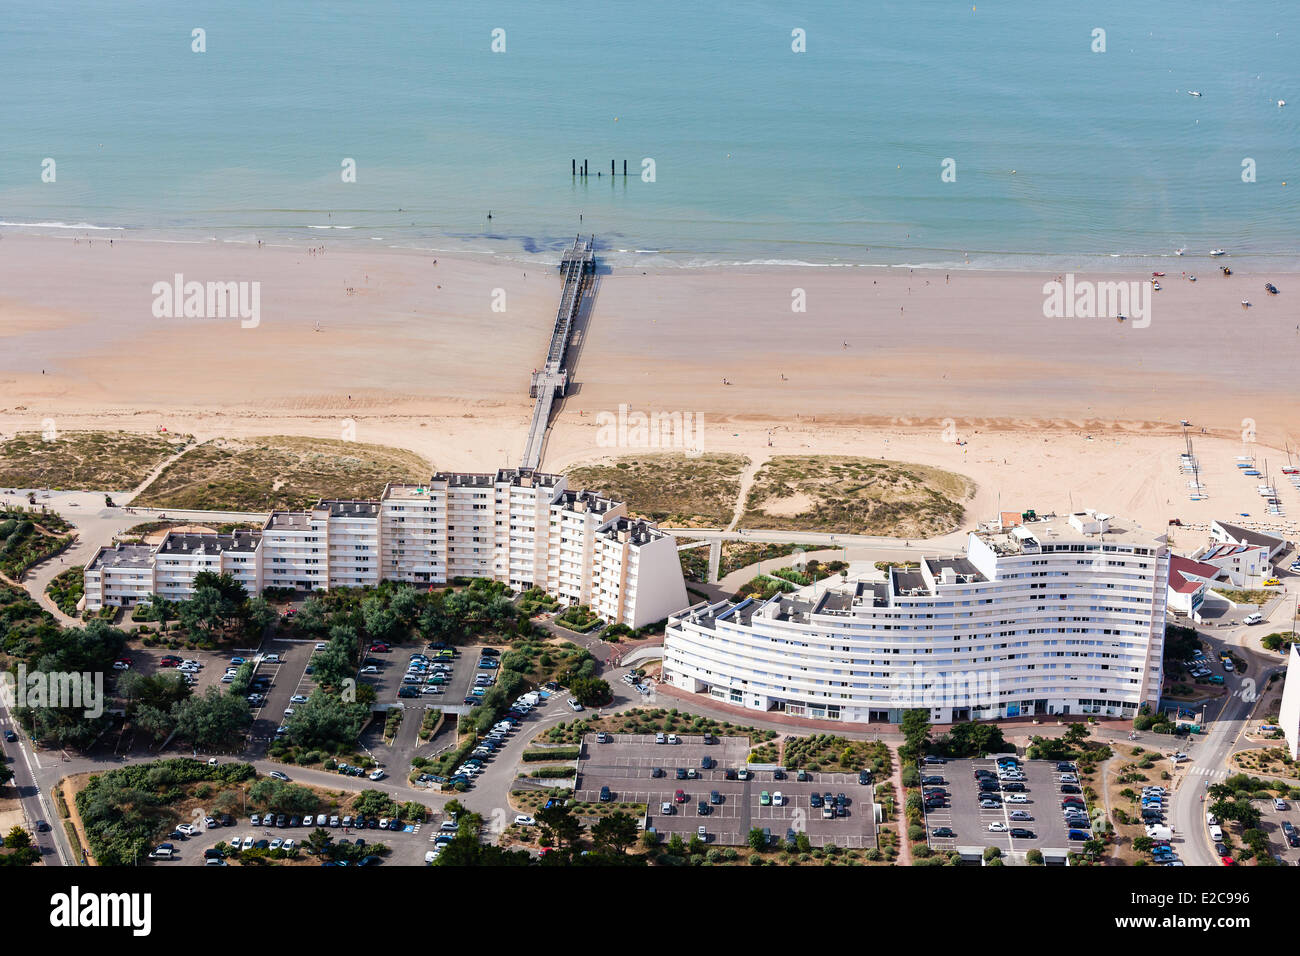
1022,833
776,774
227,820
1064,767
1078,835
1070,788
802,776
985,775
1220,850
657,772
942,832
729,774
394,824
815,799
864,777
933,759
605,795
295,821
703,809
681,773
42,826
11,736
931,781
213,854
715,798
1014,787
990,786
372,823
262,845
281,820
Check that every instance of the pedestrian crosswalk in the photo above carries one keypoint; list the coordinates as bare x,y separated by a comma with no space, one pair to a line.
1211,772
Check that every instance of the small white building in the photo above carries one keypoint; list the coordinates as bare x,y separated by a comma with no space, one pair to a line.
1225,533
1188,582
1289,717
1244,566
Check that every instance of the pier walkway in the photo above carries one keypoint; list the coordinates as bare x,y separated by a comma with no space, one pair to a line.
578,268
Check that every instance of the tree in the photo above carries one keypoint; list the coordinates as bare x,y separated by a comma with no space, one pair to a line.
590,691
915,726
757,839
318,839
559,825
616,832
213,720
325,720
1076,734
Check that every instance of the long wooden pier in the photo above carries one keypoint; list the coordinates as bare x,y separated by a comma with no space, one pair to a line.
578,269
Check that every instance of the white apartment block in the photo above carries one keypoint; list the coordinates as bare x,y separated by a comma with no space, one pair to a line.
119,576
520,527
182,556
1289,713
1060,616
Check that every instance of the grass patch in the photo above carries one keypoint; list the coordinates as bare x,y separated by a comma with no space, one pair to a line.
90,459
280,472
673,489
856,496
1246,597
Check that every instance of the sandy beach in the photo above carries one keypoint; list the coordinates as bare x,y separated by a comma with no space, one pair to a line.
1052,412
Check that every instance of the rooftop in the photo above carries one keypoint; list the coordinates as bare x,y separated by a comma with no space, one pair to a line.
1050,531
339,508
289,521
122,556
1249,536
209,543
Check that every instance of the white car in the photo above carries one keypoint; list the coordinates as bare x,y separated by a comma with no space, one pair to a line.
187,829
524,821
1254,619
298,699
288,712
370,669
320,646
1015,798
288,845
778,799
271,659
377,774
121,666
278,775
998,827
277,844
430,857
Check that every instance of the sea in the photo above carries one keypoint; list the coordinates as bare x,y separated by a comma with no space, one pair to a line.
1002,135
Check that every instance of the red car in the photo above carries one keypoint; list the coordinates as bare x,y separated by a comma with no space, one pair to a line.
380,648
1227,861
680,796
167,663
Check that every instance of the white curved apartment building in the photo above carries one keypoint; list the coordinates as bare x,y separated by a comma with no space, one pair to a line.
1064,616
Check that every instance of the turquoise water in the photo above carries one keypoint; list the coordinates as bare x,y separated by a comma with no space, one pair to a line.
762,155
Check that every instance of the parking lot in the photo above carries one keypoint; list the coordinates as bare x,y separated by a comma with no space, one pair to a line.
390,668
1036,809
288,679
1271,821
731,808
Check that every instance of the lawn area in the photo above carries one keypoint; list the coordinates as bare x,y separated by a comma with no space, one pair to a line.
280,472
829,753
856,496
672,489
107,461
